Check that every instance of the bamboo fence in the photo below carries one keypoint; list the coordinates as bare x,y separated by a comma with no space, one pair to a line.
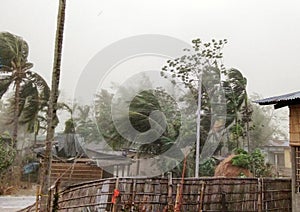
167,194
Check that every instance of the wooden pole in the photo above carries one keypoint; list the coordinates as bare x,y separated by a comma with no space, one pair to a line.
37,199
114,209
51,124
133,194
170,191
179,193
259,198
201,196
177,200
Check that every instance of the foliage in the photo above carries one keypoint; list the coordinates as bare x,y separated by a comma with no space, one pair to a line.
238,112
7,153
238,151
266,124
203,61
203,65
208,167
242,160
69,126
140,110
200,65
255,162
84,124
31,92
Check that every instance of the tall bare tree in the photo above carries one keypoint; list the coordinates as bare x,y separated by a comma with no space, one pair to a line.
52,106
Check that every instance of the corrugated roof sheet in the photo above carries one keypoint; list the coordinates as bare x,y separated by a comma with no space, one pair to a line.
282,100
278,143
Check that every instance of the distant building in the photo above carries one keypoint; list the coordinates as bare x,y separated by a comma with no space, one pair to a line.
278,154
291,100
115,163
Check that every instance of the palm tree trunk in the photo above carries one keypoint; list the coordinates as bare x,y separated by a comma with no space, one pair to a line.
247,122
16,114
52,107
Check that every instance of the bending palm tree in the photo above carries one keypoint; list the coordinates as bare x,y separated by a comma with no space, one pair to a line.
30,89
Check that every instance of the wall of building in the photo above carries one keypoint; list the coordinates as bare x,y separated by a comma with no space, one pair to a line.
287,158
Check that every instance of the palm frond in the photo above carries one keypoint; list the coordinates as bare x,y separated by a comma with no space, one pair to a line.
30,108
4,85
13,49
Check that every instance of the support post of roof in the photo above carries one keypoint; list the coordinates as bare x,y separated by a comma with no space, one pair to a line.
295,146
291,100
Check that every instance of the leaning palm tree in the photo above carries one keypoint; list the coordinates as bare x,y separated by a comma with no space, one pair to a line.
236,96
52,107
29,87
34,105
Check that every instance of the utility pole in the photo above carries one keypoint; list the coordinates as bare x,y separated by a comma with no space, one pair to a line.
197,162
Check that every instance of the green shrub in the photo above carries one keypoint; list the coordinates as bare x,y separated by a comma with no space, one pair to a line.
7,154
255,162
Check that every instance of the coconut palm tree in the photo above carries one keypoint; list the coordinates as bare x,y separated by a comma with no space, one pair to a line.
31,91
236,96
34,97
52,106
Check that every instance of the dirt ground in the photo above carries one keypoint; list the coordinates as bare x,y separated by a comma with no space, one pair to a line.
15,203
23,190
18,198
26,192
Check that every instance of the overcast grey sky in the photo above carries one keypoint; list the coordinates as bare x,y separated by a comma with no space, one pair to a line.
263,36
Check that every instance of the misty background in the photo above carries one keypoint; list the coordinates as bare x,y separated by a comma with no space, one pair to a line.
263,36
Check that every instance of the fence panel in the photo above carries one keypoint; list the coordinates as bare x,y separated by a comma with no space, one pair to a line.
161,194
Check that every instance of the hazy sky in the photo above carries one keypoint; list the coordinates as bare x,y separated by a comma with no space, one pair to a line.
263,36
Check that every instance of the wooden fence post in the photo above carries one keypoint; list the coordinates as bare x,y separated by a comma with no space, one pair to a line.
201,196
55,196
114,201
177,200
37,198
170,191
224,204
49,199
133,195
260,195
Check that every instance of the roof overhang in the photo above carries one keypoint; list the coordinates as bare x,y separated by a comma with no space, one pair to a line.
281,101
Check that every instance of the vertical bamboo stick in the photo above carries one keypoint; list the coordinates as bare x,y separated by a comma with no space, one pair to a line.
201,196
37,199
259,198
177,200
170,191
133,194
114,209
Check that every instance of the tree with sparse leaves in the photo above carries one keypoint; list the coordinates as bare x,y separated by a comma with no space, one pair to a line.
202,71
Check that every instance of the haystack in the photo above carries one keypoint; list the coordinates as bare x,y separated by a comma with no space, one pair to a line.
226,169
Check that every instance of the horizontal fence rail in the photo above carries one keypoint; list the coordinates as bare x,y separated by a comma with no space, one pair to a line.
167,194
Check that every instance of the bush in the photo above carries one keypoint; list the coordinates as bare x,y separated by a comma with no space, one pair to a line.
7,154
255,162
208,167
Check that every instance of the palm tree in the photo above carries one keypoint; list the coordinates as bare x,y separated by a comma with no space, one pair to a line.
52,106
34,106
31,91
236,96
140,110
